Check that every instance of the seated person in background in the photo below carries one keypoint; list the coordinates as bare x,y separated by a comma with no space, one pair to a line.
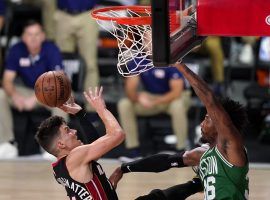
247,54
163,92
76,168
29,59
2,20
47,10
7,150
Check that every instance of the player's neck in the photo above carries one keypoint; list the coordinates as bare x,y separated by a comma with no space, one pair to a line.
62,154
34,51
212,144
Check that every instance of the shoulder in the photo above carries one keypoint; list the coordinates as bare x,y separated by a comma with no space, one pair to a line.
173,73
18,47
197,152
77,156
15,53
49,45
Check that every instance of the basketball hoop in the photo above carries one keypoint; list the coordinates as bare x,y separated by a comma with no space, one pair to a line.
131,25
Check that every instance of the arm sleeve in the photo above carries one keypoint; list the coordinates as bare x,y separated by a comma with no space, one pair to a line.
179,192
155,163
183,191
87,127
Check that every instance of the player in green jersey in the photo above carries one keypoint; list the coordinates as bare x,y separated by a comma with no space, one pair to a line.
223,167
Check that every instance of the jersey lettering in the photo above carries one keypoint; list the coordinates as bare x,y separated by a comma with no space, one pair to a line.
82,192
208,166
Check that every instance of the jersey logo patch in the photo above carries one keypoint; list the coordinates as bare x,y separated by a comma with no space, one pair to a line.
159,73
25,62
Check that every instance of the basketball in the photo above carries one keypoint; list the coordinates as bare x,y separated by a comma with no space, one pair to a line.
53,88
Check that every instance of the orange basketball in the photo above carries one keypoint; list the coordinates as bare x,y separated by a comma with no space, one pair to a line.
53,88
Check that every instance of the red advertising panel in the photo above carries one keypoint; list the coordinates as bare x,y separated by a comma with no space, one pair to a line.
233,17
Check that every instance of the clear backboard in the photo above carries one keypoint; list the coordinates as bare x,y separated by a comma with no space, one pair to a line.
174,30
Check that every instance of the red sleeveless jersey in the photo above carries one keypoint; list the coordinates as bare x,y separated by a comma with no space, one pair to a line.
98,188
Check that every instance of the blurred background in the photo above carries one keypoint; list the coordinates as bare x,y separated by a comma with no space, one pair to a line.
238,68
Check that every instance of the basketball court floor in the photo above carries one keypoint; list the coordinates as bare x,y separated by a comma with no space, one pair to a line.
24,179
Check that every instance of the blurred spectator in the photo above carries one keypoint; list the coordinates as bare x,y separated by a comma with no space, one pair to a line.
2,17
27,60
246,55
76,29
48,8
7,150
264,50
163,92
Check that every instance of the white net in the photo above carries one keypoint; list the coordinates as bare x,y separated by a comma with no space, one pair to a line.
134,41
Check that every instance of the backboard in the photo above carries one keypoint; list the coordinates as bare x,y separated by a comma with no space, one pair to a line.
174,30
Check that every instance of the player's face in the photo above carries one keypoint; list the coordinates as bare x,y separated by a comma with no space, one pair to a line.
69,137
33,36
208,130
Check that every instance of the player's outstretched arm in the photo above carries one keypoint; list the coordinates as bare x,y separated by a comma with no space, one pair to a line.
114,132
154,163
158,163
229,140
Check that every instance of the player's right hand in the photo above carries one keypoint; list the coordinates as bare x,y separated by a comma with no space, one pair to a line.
70,106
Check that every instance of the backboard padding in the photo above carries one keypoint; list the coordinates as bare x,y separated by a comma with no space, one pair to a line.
173,33
234,17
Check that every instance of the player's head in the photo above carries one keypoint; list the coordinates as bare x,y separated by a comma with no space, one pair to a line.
55,136
236,112
33,35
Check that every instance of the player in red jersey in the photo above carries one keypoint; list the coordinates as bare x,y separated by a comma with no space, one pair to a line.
76,167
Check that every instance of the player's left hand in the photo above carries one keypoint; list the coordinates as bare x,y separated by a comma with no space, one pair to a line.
95,99
116,177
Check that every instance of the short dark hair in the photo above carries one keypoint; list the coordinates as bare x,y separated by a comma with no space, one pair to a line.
47,132
31,22
237,113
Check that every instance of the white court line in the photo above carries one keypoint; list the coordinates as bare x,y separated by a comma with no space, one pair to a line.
259,165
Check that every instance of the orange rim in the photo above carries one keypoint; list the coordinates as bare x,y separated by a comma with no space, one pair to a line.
129,20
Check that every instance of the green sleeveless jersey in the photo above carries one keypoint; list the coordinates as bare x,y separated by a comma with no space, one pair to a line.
221,179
